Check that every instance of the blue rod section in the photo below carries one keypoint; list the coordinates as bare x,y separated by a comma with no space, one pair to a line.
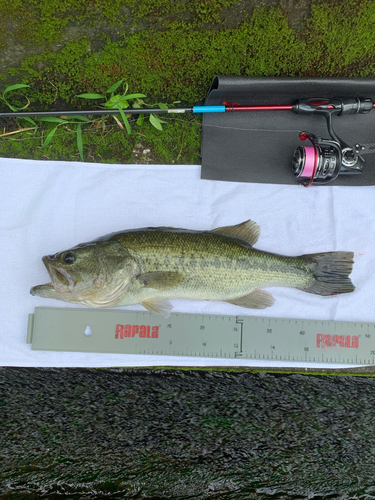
208,109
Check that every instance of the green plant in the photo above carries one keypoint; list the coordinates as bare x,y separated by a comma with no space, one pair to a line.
9,89
115,101
121,102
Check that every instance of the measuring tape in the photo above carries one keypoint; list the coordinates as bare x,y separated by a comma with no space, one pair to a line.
208,336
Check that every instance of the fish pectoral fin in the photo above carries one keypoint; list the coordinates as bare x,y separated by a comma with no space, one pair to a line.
257,299
161,279
159,306
248,231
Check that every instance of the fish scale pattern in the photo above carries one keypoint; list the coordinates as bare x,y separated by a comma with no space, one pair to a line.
214,266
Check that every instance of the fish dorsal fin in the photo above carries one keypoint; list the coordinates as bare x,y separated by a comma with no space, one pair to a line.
257,299
161,279
248,231
158,305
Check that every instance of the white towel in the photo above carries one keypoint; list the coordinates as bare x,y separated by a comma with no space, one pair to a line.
46,207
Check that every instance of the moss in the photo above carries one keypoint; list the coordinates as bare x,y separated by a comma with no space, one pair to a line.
144,9
201,11
208,11
342,41
178,63
38,21
179,142
61,70
184,46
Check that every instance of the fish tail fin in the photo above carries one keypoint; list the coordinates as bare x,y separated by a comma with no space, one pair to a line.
330,272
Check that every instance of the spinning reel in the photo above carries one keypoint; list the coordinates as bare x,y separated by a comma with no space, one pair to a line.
326,159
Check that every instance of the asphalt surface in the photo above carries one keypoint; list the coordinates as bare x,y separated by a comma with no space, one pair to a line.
179,434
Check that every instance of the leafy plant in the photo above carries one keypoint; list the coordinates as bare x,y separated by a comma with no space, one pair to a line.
9,89
121,102
77,121
113,101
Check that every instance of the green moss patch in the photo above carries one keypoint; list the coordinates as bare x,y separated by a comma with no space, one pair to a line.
168,51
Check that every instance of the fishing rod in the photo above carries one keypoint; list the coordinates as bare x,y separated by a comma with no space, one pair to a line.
320,163
143,111
304,106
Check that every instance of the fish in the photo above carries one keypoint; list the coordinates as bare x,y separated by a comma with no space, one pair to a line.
151,265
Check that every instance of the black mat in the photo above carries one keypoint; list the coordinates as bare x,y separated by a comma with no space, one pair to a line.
258,146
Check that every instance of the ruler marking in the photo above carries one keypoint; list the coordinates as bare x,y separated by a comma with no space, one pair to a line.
277,339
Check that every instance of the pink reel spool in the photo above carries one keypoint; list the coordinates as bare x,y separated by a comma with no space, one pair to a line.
309,167
311,161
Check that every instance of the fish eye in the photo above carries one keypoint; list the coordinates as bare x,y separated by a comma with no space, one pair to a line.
69,258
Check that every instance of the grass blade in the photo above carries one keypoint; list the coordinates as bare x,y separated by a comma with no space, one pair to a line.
51,119
126,121
134,96
79,140
15,87
81,118
91,96
30,120
114,87
49,137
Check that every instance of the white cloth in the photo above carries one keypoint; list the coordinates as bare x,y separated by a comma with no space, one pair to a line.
46,207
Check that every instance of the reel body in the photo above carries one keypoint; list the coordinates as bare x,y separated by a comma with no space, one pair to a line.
326,159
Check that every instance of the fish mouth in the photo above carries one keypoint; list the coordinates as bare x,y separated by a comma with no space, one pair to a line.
62,281
46,290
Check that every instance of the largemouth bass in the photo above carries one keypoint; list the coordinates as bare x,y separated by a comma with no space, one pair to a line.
151,265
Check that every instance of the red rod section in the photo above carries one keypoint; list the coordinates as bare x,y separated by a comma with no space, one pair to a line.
276,107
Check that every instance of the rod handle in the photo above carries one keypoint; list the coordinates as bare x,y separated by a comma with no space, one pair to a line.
343,106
